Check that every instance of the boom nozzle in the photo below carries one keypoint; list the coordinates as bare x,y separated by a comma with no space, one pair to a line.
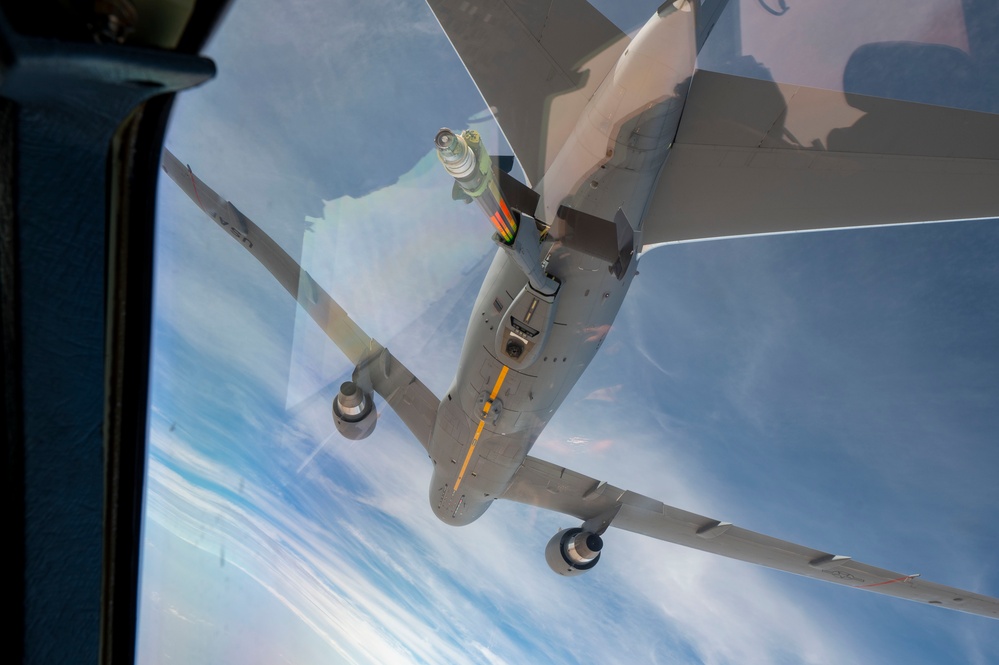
458,159
444,138
466,160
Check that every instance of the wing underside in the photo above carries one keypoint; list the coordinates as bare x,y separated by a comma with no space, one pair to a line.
753,157
536,64
597,504
413,402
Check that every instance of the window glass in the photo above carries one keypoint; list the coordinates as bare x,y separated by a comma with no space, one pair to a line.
836,389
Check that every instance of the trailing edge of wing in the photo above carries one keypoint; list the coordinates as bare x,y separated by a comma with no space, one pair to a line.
535,63
414,403
752,156
546,485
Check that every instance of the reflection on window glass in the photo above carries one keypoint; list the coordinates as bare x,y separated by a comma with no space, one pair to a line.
835,389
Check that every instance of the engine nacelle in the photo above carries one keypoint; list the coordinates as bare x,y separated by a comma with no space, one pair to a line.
354,412
573,551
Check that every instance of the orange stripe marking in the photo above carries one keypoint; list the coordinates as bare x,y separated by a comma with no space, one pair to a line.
482,424
506,211
496,223
501,225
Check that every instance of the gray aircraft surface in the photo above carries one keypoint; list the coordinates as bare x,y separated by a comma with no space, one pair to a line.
626,146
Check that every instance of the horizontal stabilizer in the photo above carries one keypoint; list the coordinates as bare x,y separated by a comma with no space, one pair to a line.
754,156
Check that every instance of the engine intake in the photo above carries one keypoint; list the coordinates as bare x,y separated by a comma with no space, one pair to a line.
573,551
354,412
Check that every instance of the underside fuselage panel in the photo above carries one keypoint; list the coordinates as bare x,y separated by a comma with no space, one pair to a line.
497,406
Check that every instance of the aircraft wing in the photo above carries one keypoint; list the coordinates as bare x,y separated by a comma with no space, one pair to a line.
547,485
535,63
752,156
412,401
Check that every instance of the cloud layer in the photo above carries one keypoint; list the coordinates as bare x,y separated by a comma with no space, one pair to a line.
835,389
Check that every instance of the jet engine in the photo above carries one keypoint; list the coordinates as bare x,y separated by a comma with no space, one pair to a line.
354,412
573,551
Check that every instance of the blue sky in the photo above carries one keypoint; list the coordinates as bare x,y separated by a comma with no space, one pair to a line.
835,389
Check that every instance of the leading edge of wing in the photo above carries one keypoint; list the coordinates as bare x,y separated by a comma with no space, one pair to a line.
413,402
536,64
754,157
546,485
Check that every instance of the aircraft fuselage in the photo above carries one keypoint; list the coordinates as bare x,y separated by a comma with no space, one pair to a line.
499,403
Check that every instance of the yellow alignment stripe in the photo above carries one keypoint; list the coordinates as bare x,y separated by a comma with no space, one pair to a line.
471,449
482,423
499,383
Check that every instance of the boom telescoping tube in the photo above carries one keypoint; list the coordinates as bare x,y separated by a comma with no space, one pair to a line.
466,160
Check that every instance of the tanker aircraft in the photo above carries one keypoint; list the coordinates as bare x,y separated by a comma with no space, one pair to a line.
625,146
